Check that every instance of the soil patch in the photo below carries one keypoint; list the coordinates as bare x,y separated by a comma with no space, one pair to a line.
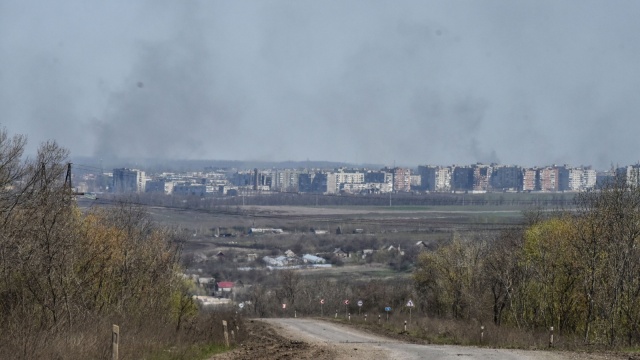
264,342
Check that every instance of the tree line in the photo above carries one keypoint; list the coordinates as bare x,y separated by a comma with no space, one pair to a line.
67,275
576,270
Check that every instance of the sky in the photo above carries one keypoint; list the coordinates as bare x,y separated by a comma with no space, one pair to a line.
530,83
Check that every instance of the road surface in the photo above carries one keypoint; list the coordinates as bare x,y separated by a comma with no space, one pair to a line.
352,343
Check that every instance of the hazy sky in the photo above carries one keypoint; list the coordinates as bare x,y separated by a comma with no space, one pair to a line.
415,82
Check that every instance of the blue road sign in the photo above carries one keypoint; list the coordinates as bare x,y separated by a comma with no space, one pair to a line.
387,309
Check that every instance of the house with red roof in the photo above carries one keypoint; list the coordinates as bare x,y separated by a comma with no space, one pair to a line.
224,286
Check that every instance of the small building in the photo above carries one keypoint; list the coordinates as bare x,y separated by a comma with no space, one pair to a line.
224,287
206,301
312,259
340,253
422,245
265,231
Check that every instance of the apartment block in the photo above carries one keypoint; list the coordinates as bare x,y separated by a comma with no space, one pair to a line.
159,186
128,181
286,180
481,177
530,179
631,174
401,179
462,178
507,178
549,179
428,177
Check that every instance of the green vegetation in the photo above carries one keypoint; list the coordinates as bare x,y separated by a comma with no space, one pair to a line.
576,271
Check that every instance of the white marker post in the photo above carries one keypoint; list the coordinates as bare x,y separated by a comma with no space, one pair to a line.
346,307
115,340
226,333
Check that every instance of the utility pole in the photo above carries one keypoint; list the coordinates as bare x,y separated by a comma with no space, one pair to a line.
67,182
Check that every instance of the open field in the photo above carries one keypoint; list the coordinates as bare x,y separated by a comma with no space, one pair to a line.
208,232
388,225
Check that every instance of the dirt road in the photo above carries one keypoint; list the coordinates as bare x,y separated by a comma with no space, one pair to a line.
318,331
320,340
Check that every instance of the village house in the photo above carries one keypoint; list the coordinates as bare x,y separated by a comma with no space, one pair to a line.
224,288
340,253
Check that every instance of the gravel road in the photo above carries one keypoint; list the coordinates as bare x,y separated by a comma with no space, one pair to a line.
348,343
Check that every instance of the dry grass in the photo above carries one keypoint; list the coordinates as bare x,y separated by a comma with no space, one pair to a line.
155,340
454,332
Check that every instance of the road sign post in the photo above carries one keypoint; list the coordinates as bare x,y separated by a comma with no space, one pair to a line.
387,310
321,307
346,307
359,306
410,305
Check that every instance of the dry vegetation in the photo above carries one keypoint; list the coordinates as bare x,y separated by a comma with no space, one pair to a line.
67,276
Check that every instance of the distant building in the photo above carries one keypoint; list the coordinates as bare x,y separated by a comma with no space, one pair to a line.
265,231
435,178
530,179
603,178
128,181
428,177
462,179
506,178
312,259
285,180
549,179
563,178
333,186
581,179
349,177
242,179
589,178
481,177
159,186
190,189
375,177
319,183
402,179
416,181
630,174
304,182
